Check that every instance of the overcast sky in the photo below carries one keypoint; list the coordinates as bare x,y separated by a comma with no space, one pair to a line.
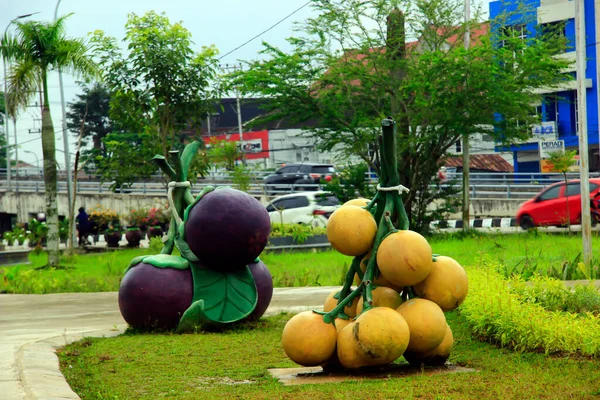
226,24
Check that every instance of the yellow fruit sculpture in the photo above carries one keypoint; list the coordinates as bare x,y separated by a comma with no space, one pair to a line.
351,230
382,297
404,258
357,202
373,324
377,280
348,354
426,322
446,285
332,301
308,340
437,356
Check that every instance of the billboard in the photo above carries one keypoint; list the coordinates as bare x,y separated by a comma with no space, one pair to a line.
545,149
255,144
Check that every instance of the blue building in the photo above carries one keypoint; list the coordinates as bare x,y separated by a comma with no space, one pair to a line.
559,108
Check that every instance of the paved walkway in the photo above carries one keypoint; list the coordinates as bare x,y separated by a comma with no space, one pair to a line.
32,327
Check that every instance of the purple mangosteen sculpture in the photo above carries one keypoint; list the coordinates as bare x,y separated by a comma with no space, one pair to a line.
218,279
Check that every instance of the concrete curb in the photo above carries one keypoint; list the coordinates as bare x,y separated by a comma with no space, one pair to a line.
475,223
39,369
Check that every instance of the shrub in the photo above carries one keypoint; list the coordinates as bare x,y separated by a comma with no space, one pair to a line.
350,182
36,232
18,234
137,217
63,229
300,232
158,216
553,295
505,317
103,217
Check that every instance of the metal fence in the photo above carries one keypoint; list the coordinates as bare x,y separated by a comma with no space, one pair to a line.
482,185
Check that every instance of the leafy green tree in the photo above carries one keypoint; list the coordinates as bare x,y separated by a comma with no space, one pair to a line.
3,135
350,67
128,156
224,153
562,161
350,182
91,109
36,49
160,85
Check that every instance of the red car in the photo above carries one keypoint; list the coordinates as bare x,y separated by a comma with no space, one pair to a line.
549,207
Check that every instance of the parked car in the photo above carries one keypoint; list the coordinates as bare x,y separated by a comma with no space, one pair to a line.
296,176
549,207
312,208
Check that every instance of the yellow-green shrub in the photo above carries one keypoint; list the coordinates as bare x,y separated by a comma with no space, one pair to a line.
495,312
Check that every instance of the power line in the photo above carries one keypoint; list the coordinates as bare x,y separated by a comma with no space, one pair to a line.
266,30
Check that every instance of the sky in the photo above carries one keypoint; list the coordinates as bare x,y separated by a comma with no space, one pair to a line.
225,24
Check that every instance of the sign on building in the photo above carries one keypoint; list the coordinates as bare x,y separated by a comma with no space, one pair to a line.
547,130
250,146
546,148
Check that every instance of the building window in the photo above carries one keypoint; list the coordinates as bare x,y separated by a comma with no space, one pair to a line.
298,156
550,108
459,146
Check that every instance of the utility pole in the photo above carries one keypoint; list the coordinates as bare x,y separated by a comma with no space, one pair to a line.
580,54
236,68
70,193
597,41
465,137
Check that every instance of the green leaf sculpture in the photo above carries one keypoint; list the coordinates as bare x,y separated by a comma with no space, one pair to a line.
219,298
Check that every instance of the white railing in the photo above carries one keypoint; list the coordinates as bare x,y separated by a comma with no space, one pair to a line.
482,185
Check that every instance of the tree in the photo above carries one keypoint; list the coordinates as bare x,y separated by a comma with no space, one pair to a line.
3,136
160,85
562,161
224,153
91,107
349,181
36,49
348,70
128,157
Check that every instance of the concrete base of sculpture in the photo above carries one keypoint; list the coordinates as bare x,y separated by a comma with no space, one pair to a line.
314,375
14,257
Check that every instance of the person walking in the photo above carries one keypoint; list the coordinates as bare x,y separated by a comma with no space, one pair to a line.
83,227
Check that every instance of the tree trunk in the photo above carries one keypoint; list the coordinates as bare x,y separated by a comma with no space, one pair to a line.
49,154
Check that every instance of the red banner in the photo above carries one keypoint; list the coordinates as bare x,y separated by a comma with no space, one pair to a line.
255,144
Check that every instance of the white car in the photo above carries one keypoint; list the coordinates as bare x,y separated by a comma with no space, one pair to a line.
310,208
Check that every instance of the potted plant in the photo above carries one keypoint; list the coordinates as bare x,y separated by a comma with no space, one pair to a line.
101,218
113,235
108,222
63,230
158,217
137,223
36,233
18,234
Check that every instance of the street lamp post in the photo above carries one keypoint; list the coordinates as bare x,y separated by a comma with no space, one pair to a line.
37,160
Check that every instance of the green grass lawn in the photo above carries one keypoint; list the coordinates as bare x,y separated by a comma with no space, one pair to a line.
103,271
203,366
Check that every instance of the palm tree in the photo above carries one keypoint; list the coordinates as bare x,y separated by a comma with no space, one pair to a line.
36,49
